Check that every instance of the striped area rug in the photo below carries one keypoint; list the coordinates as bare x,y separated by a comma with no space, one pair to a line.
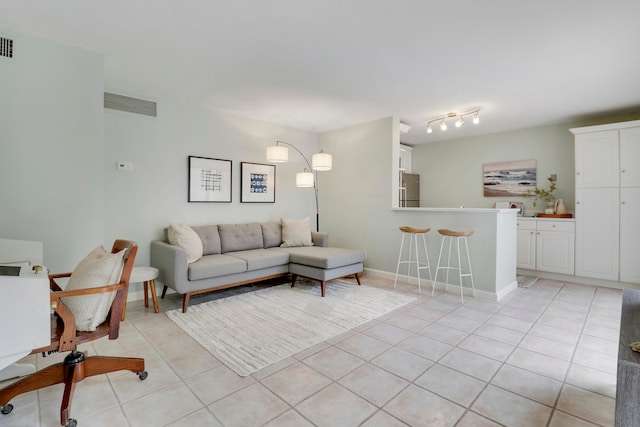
253,330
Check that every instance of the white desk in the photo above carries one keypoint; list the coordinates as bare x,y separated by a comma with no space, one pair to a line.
24,316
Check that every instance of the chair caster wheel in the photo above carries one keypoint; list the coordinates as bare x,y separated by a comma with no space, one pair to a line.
71,423
6,409
143,375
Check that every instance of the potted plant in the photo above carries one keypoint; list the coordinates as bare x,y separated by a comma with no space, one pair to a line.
542,194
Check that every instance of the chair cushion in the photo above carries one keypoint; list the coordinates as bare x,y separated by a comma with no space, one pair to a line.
240,237
271,234
99,268
210,239
184,237
295,233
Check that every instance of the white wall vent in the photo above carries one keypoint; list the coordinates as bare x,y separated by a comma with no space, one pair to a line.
131,105
6,47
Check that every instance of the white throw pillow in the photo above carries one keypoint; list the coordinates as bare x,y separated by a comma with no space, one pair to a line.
186,238
99,268
295,233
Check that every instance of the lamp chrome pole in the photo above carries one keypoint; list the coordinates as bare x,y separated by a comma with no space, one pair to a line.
315,179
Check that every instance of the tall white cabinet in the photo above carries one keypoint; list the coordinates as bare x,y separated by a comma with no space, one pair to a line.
608,201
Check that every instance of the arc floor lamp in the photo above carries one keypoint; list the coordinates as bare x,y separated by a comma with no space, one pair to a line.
319,162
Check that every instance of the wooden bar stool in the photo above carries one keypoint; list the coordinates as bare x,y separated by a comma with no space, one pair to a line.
413,234
449,235
146,276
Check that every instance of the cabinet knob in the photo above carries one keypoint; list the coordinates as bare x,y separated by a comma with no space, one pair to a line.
577,173
623,170
624,203
554,226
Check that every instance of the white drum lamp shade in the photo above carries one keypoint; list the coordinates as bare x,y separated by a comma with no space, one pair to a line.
277,154
321,162
304,179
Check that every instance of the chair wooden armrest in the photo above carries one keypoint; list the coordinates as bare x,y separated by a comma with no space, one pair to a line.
52,280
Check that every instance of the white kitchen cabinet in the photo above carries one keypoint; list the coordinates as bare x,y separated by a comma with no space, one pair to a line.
546,245
630,223
526,244
607,201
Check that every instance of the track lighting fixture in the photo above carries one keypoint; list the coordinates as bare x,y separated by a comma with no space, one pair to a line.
458,123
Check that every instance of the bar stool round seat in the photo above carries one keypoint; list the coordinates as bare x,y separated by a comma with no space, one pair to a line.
147,276
448,236
413,234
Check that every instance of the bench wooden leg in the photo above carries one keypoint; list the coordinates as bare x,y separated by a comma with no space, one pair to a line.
294,277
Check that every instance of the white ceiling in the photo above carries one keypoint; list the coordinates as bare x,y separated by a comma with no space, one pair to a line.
319,65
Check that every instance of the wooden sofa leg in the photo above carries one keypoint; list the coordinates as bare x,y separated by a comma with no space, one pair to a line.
358,279
294,277
185,302
323,286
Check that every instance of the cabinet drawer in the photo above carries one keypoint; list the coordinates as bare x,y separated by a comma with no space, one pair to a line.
524,224
564,226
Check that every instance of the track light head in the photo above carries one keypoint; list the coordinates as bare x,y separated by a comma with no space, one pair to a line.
443,125
459,122
476,118
429,130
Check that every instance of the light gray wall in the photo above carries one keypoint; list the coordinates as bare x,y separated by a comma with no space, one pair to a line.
140,203
451,171
51,150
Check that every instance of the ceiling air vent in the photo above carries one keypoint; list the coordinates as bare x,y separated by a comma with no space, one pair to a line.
6,47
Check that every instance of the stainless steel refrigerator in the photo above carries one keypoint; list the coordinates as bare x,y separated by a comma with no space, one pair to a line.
409,190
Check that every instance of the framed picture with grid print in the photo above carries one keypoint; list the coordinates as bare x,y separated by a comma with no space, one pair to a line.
209,180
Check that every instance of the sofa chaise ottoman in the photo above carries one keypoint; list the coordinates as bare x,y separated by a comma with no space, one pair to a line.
201,259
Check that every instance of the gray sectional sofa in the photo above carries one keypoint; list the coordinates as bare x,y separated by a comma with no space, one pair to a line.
238,254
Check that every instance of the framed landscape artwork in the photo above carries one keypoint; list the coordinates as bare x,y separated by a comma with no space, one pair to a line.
209,180
257,183
513,178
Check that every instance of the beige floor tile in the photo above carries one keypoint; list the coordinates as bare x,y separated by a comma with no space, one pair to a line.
418,407
264,406
335,406
408,322
333,362
426,313
561,322
291,418
444,334
520,313
373,384
25,411
555,334
587,405
425,347
598,344
561,419
363,346
162,407
402,363
509,322
527,384
387,333
469,363
471,313
457,322
109,418
539,363
471,419
499,333
592,380
295,383
217,383
487,347
451,384
187,358
382,419
510,409
201,417
601,331
271,369
605,362
547,347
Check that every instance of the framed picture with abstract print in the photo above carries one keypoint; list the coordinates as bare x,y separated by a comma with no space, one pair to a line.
209,180
257,183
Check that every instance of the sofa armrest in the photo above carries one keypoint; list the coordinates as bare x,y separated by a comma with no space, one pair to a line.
172,265
320,238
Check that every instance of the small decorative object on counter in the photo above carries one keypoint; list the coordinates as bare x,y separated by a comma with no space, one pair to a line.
542,194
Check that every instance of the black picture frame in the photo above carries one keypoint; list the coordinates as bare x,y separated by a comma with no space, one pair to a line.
209,180
257,183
